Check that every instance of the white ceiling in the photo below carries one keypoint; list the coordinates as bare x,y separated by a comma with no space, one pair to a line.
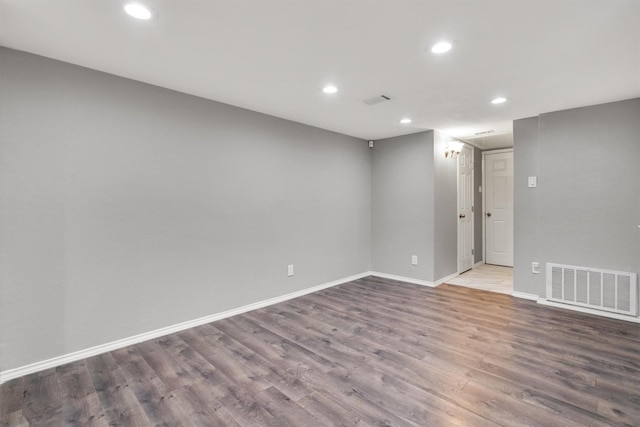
275,56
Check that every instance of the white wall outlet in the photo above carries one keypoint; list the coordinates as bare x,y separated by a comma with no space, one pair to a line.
414,259
290,270
533,181
535,267
479,188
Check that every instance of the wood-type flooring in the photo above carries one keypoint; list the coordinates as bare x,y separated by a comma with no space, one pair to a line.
371,352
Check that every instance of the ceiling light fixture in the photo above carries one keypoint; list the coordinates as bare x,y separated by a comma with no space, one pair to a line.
330,89
138,11
452,149
442,47
498,100
405,121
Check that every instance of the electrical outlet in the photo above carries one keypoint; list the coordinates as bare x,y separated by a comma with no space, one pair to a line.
290,270
414,259
535,267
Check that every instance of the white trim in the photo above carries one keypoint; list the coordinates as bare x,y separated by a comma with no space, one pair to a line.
498,151
524,295
589,311
412,280
446,279
478,264
114,345
403,279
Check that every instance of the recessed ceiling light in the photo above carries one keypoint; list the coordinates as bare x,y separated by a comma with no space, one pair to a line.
405,121
498,100
138,11
442,47
330,89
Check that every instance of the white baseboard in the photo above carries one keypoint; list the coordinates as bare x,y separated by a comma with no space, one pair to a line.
479,263
589,311
524,295
446,279
412,280
114,345
486,288
403,279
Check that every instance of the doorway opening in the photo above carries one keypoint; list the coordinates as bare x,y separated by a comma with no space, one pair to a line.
497,172
494,278
495,271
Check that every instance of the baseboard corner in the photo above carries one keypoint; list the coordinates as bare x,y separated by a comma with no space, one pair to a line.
53,362
524,295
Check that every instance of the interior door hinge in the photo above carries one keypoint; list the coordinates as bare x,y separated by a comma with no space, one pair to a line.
471,208
473,251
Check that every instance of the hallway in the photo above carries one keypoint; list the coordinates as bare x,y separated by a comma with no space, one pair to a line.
494,278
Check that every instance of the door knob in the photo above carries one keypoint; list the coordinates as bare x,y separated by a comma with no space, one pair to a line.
488,213
461,216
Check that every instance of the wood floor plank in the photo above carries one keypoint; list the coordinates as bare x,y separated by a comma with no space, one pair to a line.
14,419
156,399
329,411
204,411
41,397
372,352
80,402
11,395
286,411
283,369
120,404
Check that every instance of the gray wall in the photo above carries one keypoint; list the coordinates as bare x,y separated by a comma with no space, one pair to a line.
403,214
414,207
477,205
526,240
445,207
588,195
127,207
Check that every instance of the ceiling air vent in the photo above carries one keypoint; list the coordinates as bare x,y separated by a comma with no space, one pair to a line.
484,132
377,99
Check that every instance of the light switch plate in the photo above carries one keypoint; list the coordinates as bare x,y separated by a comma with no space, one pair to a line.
533,181
535,267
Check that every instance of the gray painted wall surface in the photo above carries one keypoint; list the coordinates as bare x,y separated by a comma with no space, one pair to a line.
127,207
477,205
403,214
445,208
588,189
414,207
526,240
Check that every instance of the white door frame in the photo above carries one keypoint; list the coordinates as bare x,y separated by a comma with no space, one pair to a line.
484,202
473,212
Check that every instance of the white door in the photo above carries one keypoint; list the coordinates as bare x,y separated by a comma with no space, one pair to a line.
465,209
498,208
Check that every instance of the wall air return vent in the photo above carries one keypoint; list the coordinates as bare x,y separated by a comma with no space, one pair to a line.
613,291
378,99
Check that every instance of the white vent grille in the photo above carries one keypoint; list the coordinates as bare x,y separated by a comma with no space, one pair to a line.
607,290
378,99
